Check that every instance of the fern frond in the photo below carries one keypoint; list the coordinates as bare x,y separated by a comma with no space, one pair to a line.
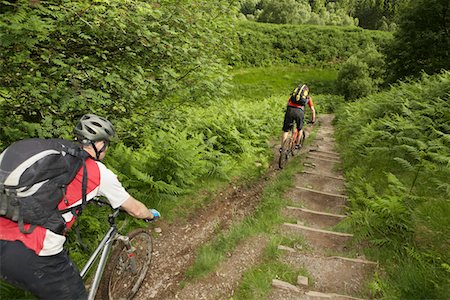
406,165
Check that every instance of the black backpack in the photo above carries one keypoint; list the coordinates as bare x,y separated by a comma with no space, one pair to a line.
34,174
299,96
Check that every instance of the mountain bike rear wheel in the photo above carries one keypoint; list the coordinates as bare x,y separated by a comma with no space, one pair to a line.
125,272
302,139
284,154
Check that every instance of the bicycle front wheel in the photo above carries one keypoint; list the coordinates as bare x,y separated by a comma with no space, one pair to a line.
126,270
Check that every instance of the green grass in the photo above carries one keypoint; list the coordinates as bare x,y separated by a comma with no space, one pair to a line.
8,291
256,282
256,84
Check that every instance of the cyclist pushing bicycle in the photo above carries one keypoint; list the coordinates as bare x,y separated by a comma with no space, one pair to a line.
36,261
295,112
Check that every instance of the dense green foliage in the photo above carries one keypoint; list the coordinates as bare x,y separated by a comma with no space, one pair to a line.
422,41
395,147
120,59
362,74
159,71
300,12
376,14
266,44
59,61
369,14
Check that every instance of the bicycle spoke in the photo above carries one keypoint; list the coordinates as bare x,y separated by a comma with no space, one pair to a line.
284,154
126,271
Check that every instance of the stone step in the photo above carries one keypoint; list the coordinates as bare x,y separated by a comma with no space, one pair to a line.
320,165
279,284
317,145
314,152
286,291
320,183
317,200
279,292
319,239
325,174
328,152
341,275
316,219
313,295
320,138
311,157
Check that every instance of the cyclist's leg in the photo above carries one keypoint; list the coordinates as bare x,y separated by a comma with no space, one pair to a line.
299,118
287,124
47,277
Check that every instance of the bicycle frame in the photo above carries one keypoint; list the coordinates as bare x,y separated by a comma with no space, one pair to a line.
294,136
289,146
104,248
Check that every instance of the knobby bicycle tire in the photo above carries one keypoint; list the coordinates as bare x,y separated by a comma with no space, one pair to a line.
295,149
285,153
292,144
119,281
302,139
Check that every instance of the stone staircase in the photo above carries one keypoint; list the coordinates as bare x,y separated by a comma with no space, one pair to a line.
318,203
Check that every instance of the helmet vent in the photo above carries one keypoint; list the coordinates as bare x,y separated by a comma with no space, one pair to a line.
94,128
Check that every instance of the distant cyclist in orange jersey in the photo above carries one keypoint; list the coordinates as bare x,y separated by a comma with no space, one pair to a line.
295,112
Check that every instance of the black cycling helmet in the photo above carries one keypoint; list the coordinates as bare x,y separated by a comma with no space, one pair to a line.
92,128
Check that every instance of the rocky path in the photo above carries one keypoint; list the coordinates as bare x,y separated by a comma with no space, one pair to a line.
318,204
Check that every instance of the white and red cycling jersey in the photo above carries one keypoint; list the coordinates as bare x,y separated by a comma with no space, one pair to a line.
101,182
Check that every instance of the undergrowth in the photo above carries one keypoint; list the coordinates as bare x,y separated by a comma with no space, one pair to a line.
395,147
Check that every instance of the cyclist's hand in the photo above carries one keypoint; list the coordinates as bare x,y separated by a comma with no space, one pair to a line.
155,213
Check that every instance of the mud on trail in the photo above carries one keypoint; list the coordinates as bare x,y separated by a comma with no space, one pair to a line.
177,245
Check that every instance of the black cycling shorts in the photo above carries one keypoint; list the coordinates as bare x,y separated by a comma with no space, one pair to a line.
293,114
47,277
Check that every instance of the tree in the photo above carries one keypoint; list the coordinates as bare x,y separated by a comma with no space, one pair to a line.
362,74
371,12
248,7
59,59
422,41
280,12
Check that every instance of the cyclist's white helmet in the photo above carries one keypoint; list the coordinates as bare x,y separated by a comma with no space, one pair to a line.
92,128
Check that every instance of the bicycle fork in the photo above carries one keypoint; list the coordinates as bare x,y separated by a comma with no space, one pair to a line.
131,255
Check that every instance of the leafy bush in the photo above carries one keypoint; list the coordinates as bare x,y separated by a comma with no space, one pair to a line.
280,12
395,146
296,12
113,58
328,103
362,74
354,80
265,44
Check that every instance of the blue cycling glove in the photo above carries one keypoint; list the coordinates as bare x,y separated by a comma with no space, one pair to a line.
156,214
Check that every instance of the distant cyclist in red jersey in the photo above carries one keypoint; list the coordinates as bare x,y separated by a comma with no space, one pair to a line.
295,111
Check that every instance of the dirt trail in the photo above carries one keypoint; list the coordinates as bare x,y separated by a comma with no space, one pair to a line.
176,247
318,202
